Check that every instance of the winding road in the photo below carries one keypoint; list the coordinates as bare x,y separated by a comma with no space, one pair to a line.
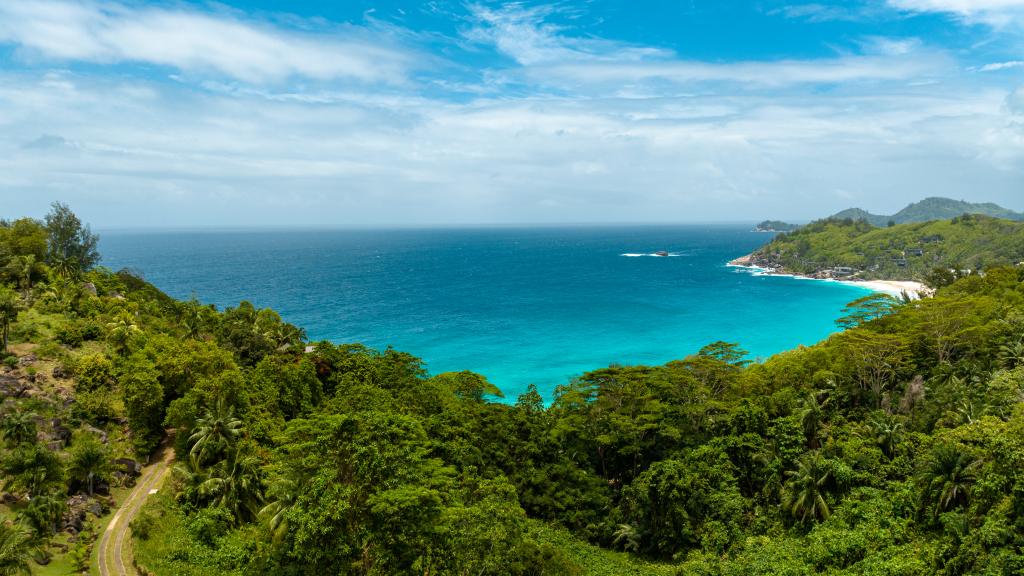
112,557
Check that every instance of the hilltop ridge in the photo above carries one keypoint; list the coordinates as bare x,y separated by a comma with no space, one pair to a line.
933,208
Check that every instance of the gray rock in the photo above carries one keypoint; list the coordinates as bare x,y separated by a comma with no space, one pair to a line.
99,433
129,466
95,508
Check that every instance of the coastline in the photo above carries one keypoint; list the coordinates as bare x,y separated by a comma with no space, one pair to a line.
916,290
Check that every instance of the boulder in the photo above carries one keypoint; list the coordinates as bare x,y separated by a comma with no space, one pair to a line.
27,360
89,287
95,508
129,467
60,372
99,433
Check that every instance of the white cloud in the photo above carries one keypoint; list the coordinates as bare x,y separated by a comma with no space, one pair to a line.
815,13
551,56
525,35
958,6
996,66
148,153
193,41
997,13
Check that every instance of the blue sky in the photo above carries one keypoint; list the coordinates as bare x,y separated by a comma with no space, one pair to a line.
445,112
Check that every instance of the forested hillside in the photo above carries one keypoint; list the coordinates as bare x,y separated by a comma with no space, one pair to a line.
927,251
894,447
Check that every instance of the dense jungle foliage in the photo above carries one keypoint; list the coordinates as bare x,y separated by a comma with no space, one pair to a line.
893,447
934,252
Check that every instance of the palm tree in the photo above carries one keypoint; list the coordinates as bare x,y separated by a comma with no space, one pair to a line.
216,430
887,431
804,495
949,477
43,514
66,267
627,536
10,306
18,428
32,468
192,477
192,318
1012,355
286,494
811,417
122,331
235,483
90,461
22,268
15,548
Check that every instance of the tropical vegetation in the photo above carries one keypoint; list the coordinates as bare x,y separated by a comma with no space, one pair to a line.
893,447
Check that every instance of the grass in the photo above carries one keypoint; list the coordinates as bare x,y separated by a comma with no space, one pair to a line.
595,561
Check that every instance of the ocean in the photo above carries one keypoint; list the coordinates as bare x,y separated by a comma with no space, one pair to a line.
519,305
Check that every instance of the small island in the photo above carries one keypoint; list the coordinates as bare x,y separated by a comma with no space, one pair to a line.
775,226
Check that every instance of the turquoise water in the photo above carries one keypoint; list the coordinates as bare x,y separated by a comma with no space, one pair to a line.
521,306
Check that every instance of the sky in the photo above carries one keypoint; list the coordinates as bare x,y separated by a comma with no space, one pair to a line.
358,113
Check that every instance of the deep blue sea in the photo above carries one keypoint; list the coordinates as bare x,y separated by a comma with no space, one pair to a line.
519,305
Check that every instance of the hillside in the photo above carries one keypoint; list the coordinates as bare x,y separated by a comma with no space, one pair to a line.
930,209
893,447
843,248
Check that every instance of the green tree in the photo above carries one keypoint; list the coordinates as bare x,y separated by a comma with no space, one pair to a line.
215,432
143,403
89,461
23,269
122,331
804,494
948,477
812,416
283,496
15,550
44,513
887,430
93,372
236,484
866,309
18,428
33,469
10,307
70,244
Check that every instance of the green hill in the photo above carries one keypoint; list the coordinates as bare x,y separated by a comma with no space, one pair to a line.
775,226
930,209
903,251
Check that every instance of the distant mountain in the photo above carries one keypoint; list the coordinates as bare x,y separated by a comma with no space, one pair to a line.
931,209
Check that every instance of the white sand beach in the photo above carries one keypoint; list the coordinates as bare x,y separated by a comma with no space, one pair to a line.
894,287
915,290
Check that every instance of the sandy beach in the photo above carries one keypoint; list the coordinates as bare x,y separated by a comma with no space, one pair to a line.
893,287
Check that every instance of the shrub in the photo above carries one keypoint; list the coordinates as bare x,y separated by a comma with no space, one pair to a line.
96,406
93,373
69,335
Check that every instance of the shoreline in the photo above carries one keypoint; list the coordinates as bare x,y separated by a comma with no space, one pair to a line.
916,290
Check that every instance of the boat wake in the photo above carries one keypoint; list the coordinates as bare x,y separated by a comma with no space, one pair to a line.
653,254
